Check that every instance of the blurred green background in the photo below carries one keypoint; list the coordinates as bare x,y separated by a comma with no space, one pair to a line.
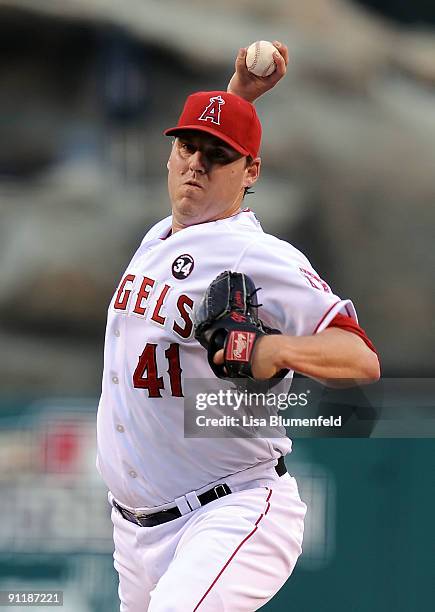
348,177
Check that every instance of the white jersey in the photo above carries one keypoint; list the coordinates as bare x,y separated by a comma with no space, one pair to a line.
150,351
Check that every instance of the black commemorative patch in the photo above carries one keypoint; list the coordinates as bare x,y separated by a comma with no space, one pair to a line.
182,266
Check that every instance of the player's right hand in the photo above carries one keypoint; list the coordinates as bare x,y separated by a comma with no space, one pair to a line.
249,86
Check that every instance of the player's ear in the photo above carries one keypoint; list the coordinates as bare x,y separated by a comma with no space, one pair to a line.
252,171
172,148
168,163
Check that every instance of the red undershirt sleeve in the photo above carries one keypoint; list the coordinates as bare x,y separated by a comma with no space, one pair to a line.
349,324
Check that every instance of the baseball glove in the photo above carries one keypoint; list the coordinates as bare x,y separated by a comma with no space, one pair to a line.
227,318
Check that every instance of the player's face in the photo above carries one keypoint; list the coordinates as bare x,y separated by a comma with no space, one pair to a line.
207,178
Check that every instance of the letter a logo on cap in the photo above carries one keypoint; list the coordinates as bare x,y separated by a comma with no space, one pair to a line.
213,111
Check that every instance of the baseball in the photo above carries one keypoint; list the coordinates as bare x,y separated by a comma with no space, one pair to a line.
259,58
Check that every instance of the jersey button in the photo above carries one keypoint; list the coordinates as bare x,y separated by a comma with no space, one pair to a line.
133,474
117,333
115,379
120,428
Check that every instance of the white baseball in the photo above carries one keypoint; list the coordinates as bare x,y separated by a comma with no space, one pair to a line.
259,58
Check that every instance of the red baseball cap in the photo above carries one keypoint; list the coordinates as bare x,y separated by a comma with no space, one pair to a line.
224,115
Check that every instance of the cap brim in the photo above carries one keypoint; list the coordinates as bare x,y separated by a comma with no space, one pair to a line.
175,130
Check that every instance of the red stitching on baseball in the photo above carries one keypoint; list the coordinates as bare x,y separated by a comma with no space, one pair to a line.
265,71
256,56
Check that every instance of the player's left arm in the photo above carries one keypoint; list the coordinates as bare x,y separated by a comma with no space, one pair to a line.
335,357
249,86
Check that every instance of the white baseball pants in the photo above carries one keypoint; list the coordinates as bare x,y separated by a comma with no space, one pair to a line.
232,554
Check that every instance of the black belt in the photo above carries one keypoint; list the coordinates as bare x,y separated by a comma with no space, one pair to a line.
151,520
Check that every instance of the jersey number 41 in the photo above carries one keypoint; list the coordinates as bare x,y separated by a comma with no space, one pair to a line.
146,375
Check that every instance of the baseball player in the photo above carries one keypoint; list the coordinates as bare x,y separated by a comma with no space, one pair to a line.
210,524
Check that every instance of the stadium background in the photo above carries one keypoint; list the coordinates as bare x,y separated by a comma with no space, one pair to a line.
349,159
